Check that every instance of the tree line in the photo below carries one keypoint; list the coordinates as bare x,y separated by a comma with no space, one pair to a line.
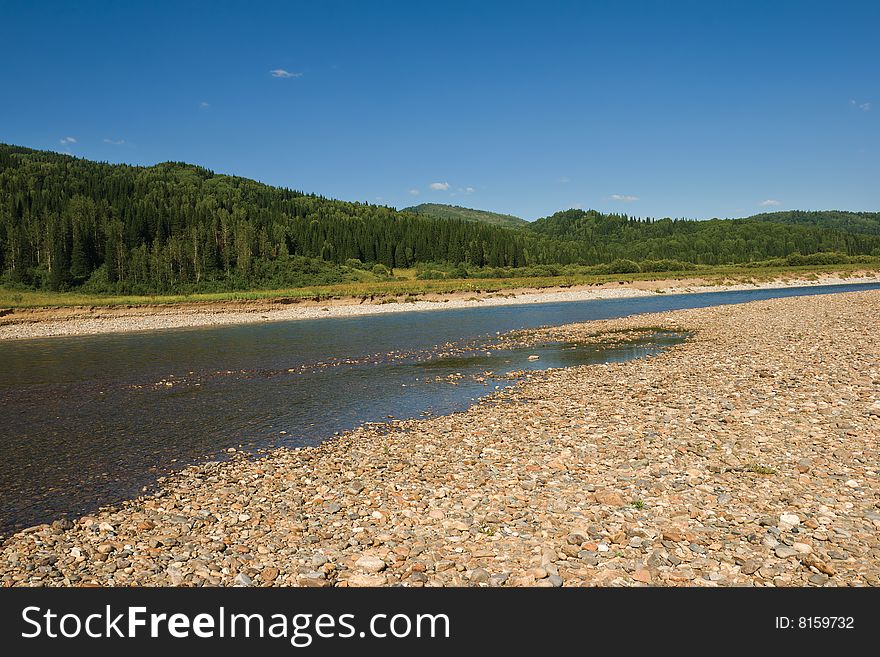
608,237
853,222
67,222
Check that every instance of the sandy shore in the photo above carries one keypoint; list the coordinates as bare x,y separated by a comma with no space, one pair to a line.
746,456
48,322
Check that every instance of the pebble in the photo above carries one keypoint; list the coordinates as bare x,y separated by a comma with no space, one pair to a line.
788,521
370,564
242,580
784,552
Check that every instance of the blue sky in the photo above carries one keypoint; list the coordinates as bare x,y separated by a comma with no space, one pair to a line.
695,109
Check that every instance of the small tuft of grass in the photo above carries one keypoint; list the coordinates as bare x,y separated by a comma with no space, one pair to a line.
639,504
757,468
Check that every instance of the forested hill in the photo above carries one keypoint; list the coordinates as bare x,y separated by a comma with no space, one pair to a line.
65,221
443,211
605,237
853,222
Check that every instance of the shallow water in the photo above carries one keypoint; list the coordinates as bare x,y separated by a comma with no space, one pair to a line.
91,420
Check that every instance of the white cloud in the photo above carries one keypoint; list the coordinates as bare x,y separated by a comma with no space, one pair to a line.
281,73
769,203
439,186
864,106
623,197
414,192
469,190
565,179
204,104
114,142
64,141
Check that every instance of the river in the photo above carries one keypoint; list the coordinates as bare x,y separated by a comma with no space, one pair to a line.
91,420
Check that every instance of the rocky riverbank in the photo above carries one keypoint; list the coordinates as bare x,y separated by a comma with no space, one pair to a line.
746,456
25,323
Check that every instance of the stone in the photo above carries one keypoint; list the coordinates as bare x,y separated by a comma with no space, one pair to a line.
673,534
609,497
479,576
362,580
812,561
750,566
788,521
175,575
243,579
269,575
370,564
499,579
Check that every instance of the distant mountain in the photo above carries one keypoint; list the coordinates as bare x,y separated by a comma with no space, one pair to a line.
851,222
443,211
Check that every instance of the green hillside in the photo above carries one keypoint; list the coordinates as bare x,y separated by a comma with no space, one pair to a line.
68,222
443,211
606,237
853,222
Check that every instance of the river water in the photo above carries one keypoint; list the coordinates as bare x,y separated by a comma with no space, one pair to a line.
91,420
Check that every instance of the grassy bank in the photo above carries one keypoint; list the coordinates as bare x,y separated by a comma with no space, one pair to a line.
406,285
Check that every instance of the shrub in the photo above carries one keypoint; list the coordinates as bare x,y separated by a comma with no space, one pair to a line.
666,265
621,267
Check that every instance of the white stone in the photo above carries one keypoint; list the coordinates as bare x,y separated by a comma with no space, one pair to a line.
788,520
370,564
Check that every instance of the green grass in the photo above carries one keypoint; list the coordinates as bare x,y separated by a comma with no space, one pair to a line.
409,287
760,469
